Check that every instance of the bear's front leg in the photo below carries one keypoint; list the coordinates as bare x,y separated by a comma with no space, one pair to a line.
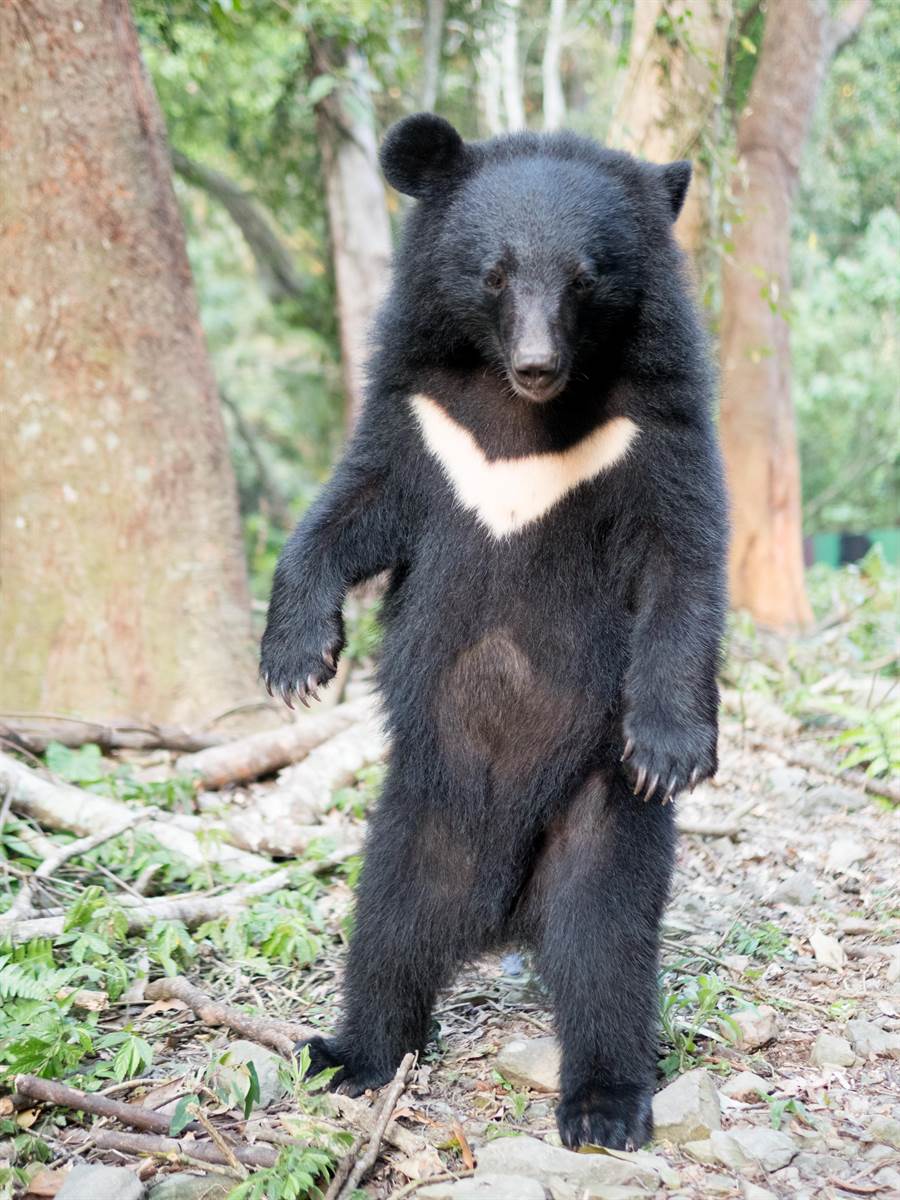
605,881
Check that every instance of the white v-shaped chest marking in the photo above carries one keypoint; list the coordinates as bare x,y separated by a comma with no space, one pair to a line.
506,494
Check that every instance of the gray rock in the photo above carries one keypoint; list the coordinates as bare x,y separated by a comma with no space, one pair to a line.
101,1183
868,1039
560,1189
820,1166
752,1145
535,1159
829,1050
753,1191
232,1078
701,1151
532,1063
688,1109
844,852
755,1027
888,1178
885,1129
797,888
190,1187
786,781
485,1187
748,1087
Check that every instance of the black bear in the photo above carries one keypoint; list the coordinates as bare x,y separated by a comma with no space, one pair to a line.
537,468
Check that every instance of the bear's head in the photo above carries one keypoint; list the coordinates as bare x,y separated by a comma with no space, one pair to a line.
530,251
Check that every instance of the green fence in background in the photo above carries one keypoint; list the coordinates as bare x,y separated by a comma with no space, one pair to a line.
836,549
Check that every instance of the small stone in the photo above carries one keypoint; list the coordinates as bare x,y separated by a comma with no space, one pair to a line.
844,852
532,1063
101,1183
797,888
755,1027
688,1109
787,781
748,1145
868,1039
718,1185
888,1178
885,1129
747,1086
828,950
701,1151
830,1050
484,1187
231,1077
753,1191
182,1186
820,1166
528,1156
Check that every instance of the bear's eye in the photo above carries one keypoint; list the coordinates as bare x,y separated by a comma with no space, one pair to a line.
582,283
495,280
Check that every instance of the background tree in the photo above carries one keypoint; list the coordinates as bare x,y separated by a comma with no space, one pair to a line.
758,427
123,578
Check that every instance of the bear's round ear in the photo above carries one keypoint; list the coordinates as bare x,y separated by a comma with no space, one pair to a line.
421,151
676,177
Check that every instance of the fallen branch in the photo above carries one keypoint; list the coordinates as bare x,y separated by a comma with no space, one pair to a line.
166,1147
48,1091
263,753
35,732
350,1174
268,1031
23,905
444,1177
875,787
59,805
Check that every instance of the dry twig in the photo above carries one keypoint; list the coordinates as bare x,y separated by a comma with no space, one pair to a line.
49,1091
350,1174
35,732
166,1147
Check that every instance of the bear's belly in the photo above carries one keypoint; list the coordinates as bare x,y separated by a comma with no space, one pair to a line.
495,708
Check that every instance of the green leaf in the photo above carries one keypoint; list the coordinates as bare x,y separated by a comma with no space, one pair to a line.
253,1092
749,46
181,1118
321,86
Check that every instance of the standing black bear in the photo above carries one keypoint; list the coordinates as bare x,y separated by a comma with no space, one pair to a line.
537,467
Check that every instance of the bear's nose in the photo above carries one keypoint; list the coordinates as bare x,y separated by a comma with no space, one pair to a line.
535,364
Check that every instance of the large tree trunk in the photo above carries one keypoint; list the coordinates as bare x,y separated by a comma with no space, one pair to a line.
433,41
358,221
554,99
121,567
757,425
672,87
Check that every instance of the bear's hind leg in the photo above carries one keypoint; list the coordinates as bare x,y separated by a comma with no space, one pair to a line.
415,924
600,887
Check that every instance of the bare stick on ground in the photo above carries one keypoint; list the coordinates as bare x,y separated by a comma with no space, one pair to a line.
262,753
277,1035
350,1173
50,1092
35,732
180,1148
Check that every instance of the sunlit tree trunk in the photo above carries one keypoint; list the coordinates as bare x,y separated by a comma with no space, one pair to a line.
433,38
511,67
757,423
554,102
358,222
122,578
671,91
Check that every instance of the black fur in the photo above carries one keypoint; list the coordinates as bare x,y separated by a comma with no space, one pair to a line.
516,672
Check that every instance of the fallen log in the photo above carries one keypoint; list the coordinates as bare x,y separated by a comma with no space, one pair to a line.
166,1147
49,1091
59,805
35,732
263,753
268,1031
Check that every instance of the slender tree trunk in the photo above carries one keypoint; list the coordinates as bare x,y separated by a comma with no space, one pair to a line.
433,39
554,96
757,425
511,67
122,578
487,65
357,212
672,87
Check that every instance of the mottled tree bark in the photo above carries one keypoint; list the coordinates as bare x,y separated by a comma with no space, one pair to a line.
671,91
758,429
554,98
432,44
358,223
122,578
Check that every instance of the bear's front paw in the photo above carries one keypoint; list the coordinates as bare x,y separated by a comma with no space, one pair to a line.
616,1116
351,1077
297,661
665,760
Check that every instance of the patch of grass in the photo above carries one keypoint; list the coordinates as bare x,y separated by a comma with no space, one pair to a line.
763,942
692,1010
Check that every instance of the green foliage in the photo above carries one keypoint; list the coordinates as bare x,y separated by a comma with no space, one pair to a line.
692,1010
765,941
283,928
295,1176
357,800
87,767
872,740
